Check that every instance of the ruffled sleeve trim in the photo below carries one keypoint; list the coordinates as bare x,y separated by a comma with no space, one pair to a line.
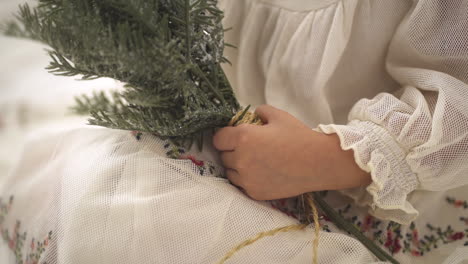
376,152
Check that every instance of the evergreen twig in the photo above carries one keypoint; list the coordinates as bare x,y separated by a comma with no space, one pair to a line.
167,52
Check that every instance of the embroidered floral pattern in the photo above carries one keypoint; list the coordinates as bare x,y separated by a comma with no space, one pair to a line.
16,239
203,167
392,236
457,203
137,134
175,152
396,239
464,219
463,204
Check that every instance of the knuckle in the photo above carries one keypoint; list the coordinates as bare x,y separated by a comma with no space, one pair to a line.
224,158
249,185
244,138
231,178
239,164
218,138
216,141
243,164
244,128
244,181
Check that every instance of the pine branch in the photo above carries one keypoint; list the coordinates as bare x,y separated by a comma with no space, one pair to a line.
169,53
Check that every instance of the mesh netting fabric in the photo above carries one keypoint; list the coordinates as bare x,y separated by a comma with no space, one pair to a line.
93,195
416,138
101,196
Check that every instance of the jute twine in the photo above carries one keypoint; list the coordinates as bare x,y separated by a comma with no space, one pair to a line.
245,117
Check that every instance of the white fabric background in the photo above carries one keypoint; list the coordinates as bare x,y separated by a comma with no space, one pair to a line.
118,186
30,97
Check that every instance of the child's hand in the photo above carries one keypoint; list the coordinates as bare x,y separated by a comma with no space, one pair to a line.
285,158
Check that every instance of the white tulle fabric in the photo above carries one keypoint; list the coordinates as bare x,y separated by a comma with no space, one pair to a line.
318,60
110,198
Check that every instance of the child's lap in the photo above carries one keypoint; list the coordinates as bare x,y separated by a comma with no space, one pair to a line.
106,196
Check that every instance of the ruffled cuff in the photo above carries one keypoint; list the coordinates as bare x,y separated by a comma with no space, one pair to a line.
376,152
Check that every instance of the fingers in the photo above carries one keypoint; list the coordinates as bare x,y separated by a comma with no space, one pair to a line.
226,139
267,113
234,177
229,159
237,178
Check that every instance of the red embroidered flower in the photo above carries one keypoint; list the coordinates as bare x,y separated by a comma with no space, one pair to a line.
396,246
457,236
137,134
17,240
198,163
12,243
415,238
415,253
367,223
458,203
389,241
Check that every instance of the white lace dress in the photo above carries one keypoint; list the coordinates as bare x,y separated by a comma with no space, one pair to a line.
93,195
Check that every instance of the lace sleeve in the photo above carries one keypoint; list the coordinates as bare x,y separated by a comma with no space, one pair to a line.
416,138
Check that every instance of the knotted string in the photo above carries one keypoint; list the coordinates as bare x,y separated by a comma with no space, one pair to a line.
245,117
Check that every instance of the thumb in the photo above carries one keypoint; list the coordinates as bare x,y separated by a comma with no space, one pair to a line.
268,113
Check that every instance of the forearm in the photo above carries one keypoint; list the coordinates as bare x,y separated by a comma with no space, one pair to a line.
338,168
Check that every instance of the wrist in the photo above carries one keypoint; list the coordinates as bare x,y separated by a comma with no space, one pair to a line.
337,167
